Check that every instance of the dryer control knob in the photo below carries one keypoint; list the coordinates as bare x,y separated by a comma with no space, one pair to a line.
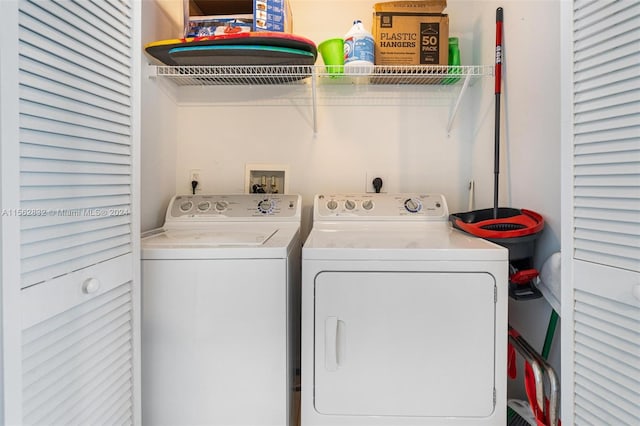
350,204
332,205
265,206
367,204
203,206
412,206
186,206
221,206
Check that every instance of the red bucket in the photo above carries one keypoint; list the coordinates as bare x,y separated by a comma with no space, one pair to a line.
515,229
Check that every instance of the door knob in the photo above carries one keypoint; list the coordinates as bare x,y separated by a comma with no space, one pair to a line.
90,285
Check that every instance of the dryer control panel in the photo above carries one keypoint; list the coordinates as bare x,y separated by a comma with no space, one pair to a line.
236,207
413,206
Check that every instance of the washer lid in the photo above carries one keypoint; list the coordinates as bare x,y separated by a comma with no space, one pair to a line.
208,238
222,241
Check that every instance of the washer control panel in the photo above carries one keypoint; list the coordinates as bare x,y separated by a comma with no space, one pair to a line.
412,206
234,206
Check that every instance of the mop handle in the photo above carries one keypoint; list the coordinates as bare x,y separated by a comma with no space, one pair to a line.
498,49
498,75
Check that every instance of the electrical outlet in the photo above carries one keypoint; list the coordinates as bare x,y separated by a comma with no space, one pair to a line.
370,176
266,178
195,174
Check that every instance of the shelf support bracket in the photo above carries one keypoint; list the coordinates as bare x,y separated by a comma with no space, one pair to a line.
314,99
457,104
151,71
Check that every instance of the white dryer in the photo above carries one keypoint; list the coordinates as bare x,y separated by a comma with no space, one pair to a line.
220,311
404,319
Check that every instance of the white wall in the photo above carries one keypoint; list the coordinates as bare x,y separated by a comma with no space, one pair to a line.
400,133
161,19
357,130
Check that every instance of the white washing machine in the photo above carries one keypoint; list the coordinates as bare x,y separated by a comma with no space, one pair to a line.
220,311
404,319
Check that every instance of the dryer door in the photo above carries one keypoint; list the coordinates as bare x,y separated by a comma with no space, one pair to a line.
405,343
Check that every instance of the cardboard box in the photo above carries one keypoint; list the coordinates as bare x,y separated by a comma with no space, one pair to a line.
200,26
209,17
272,15
411,33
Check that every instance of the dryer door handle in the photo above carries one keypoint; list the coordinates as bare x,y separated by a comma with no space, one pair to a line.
331,343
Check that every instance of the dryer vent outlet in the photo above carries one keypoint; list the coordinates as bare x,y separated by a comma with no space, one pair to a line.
266,179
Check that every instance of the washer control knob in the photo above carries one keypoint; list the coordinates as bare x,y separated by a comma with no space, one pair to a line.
367,204
350,204
412,206
185,206
203,206
332,205
221,206
265,206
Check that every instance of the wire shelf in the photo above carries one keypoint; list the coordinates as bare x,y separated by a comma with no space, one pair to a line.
201,75
315,76
297,74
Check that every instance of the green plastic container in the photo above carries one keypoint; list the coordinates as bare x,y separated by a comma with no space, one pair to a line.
454,60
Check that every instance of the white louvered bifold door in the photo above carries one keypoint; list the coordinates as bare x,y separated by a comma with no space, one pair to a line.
76,130
606,213
75,135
